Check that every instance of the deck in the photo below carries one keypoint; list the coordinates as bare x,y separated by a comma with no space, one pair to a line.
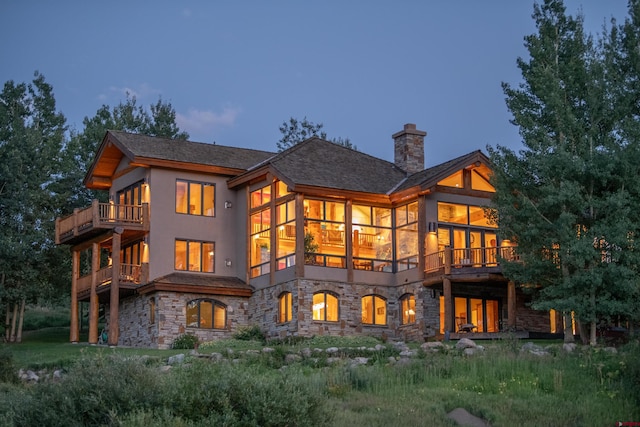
99,218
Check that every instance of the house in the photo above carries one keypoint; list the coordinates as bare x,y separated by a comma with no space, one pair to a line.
318,239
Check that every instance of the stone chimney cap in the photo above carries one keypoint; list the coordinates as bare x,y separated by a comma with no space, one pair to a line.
409,128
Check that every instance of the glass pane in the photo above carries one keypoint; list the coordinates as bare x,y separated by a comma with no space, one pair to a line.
219,316
192,314
477,217
194,256
477,317
441,314
256,198
181,255
335,211
449,212
281,188
314,209
195,198
380,311
332,308
460,311
382,217
181,197
454,180
266,194
480,179
408,309
208,257
493,316
407,241
209,200
367,309
361,214
318,306
206,314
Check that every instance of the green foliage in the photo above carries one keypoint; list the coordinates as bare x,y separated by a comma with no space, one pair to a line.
249,333
570,198
296,131
8,370
185,341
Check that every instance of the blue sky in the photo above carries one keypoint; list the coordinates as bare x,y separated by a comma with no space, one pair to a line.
235,70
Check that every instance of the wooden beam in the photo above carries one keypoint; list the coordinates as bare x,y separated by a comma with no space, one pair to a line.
114,300
93,296
74,335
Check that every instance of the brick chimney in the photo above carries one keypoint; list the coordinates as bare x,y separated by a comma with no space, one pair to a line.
409,148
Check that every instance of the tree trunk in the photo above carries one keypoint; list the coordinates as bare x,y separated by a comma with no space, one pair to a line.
20,321
7,323
12,334
592,331
568,329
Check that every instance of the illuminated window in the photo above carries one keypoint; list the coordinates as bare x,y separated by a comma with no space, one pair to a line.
407,236
480,179
261,196
195,198
260,242
455,180
191,255
372,239
465,214
325,307
285,305
374,310
325,233
408,309
286,235
207,314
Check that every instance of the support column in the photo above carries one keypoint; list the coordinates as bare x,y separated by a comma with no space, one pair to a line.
114,300
93,296
74,333
446,289
511,305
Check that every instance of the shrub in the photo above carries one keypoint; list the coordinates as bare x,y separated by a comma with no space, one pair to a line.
250,333
8,372
185,341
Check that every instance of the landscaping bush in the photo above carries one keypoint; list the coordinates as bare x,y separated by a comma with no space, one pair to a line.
8,371
249,333
185,341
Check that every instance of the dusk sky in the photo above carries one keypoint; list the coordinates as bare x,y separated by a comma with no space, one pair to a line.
235,70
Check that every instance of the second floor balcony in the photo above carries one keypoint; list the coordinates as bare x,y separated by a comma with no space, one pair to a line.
130,277
468,261
98,218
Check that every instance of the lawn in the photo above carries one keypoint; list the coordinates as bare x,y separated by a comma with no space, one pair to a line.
589,387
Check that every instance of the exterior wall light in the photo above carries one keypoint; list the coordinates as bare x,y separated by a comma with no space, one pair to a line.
228,204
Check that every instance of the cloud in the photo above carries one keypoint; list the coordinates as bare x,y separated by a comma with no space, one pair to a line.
204,122
143,92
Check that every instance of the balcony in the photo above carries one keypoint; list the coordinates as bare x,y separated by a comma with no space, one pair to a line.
131,277
98,218
468,263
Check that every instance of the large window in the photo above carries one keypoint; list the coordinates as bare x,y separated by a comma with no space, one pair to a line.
286,236
206,313
285,306
195,198
408,309
372,238
374,310
324,233
407,236
478,314
325,307
131,195
193,255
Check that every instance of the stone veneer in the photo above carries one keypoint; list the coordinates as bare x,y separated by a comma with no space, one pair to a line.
408,148
137,330
264,310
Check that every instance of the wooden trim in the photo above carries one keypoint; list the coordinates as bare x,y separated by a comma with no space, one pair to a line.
194,289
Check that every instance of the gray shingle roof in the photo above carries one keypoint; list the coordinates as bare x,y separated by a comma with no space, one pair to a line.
320,163
186,151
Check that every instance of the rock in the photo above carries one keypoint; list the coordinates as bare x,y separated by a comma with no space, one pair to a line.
470,351
462,417
534,349
408,353
292,358
465,343
392,360
57,374
165,368
31,376
306,352
216,357
252,353
178,358
333,360
569,347
611,350
432,346
380,347
360,361
332,350
268,350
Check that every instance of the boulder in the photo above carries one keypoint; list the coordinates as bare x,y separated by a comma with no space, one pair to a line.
465,343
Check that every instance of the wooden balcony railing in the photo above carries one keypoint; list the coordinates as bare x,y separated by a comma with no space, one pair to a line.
101,216
469,257
130,275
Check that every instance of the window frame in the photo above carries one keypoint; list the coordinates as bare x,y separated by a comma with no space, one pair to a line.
285,301
325,308
201,258
214,303
376,314
405,314
203,198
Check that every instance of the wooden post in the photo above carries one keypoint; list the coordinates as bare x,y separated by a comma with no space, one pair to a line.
74,333
299,269
114,300
93,296
422,233
446,289
348,241
511,305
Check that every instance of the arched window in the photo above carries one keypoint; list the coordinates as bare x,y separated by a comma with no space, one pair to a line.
285,305
325,307
374,310
206,313
408,309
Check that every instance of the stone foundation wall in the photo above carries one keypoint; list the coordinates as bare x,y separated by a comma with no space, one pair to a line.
265,310
137,329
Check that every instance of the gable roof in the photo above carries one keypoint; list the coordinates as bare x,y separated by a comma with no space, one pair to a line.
316,162
143,150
